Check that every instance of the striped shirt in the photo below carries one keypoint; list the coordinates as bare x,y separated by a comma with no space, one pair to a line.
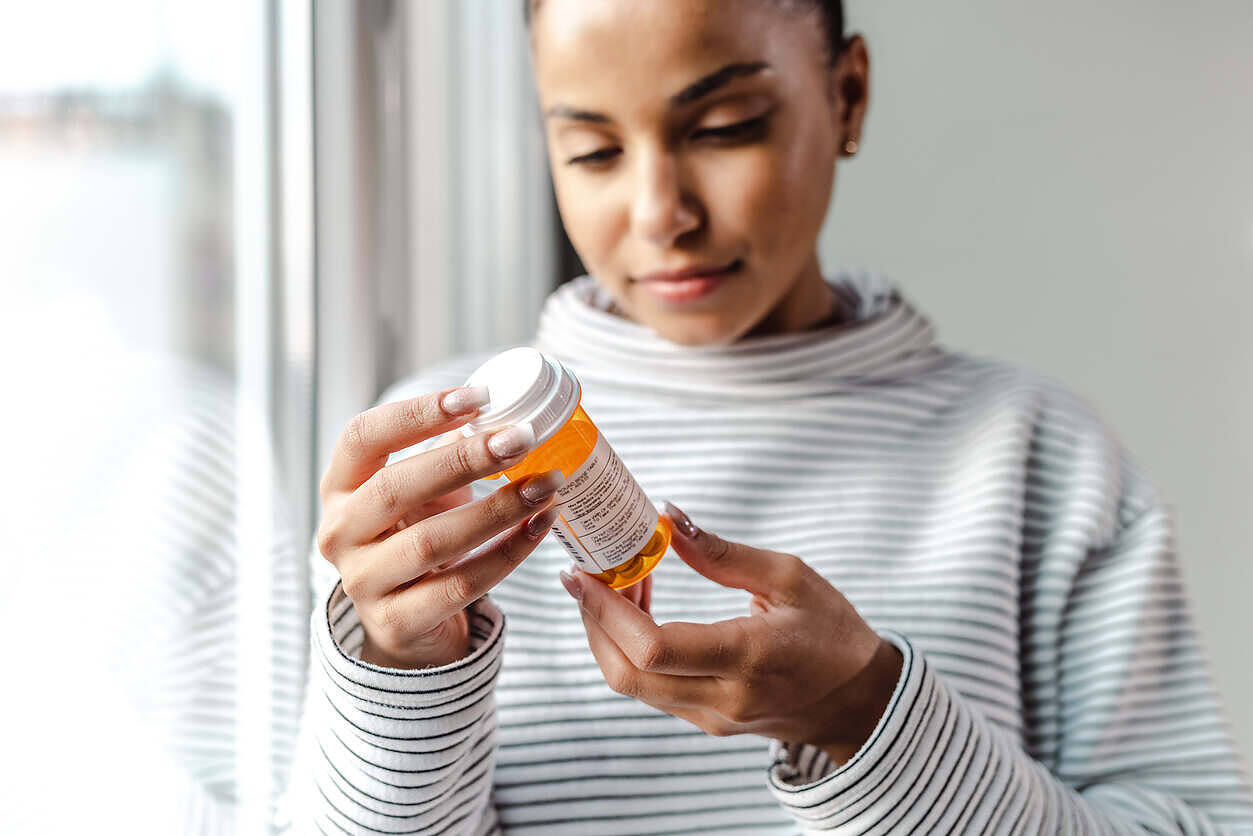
980,517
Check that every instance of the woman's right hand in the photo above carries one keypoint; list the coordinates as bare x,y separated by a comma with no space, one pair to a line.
406,537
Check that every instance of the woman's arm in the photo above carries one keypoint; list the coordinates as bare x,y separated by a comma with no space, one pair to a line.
1125,726
1141,746
396,751
400,726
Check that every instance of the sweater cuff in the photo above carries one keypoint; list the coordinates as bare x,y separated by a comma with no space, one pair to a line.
822,796
339,640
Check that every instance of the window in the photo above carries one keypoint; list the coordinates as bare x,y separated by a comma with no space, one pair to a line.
158,307
206,275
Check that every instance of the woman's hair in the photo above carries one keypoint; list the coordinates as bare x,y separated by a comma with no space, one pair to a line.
832,12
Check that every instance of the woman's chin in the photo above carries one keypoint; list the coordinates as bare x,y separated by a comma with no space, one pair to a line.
708,322
693,331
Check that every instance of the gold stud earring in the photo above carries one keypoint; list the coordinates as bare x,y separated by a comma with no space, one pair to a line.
850,146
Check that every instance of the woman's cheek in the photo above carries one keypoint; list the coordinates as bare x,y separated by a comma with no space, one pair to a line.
800,194
590,220
768,203
808,173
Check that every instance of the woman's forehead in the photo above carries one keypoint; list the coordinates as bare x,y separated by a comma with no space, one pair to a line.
599,54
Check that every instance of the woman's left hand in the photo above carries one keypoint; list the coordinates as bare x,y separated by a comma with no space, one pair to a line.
803,667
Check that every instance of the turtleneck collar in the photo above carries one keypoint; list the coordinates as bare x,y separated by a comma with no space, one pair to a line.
885,338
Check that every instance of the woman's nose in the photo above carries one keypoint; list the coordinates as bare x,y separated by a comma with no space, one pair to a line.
661,212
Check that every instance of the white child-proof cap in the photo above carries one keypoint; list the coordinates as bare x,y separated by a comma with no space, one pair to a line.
524,386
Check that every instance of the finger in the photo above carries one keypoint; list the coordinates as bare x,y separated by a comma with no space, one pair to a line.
449,536
774,576
676,647
660,690
639,594
375,434
633,593
444,439
400,488
438,505
441,594
463,495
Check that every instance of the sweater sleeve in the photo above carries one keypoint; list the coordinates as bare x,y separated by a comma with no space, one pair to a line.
1141,748
397,751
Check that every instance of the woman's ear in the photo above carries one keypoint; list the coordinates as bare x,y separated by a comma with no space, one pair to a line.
849,93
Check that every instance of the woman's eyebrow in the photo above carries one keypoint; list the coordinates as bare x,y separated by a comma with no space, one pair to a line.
693,92
718,78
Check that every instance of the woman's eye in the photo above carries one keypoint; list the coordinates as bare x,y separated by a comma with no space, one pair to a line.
601,156
745,131
748,129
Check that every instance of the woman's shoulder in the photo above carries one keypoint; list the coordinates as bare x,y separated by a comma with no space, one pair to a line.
995,380
1068,440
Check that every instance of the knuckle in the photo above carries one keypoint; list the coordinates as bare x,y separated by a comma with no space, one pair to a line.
457,591
459,461
793,573
514,550
328,540
737,708
719,549
391,618
386,493
416,413
653,654
501,509
420,547
355,586
354,436
623,682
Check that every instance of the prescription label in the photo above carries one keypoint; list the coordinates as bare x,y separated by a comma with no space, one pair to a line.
603,517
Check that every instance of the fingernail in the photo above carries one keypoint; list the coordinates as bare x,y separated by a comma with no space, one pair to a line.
464,400
681,521
541,522
541,487
572,586
511,442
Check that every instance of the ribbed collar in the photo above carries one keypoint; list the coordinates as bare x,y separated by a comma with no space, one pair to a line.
886,339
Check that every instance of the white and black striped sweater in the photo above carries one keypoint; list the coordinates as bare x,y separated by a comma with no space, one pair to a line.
979,516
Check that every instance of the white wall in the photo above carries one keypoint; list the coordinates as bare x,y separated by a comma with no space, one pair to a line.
1069,185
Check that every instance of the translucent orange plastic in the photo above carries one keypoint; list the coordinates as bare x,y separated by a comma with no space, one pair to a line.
566,451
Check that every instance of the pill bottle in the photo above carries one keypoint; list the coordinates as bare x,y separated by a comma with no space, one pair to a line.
604,520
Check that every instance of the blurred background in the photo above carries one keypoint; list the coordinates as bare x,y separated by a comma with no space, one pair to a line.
228,227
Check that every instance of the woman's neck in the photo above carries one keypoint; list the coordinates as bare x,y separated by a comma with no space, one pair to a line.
808,304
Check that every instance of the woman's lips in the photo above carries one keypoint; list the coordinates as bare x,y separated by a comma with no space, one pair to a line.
689,284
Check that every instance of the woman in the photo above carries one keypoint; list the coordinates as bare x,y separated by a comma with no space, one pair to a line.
941,597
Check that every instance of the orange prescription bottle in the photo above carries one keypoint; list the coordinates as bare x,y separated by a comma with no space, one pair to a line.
607,524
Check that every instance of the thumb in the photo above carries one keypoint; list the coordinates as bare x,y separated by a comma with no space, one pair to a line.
726,562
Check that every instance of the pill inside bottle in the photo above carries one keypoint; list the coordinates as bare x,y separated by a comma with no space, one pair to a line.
604,520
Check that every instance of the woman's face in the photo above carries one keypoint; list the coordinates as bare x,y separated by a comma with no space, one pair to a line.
697,136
